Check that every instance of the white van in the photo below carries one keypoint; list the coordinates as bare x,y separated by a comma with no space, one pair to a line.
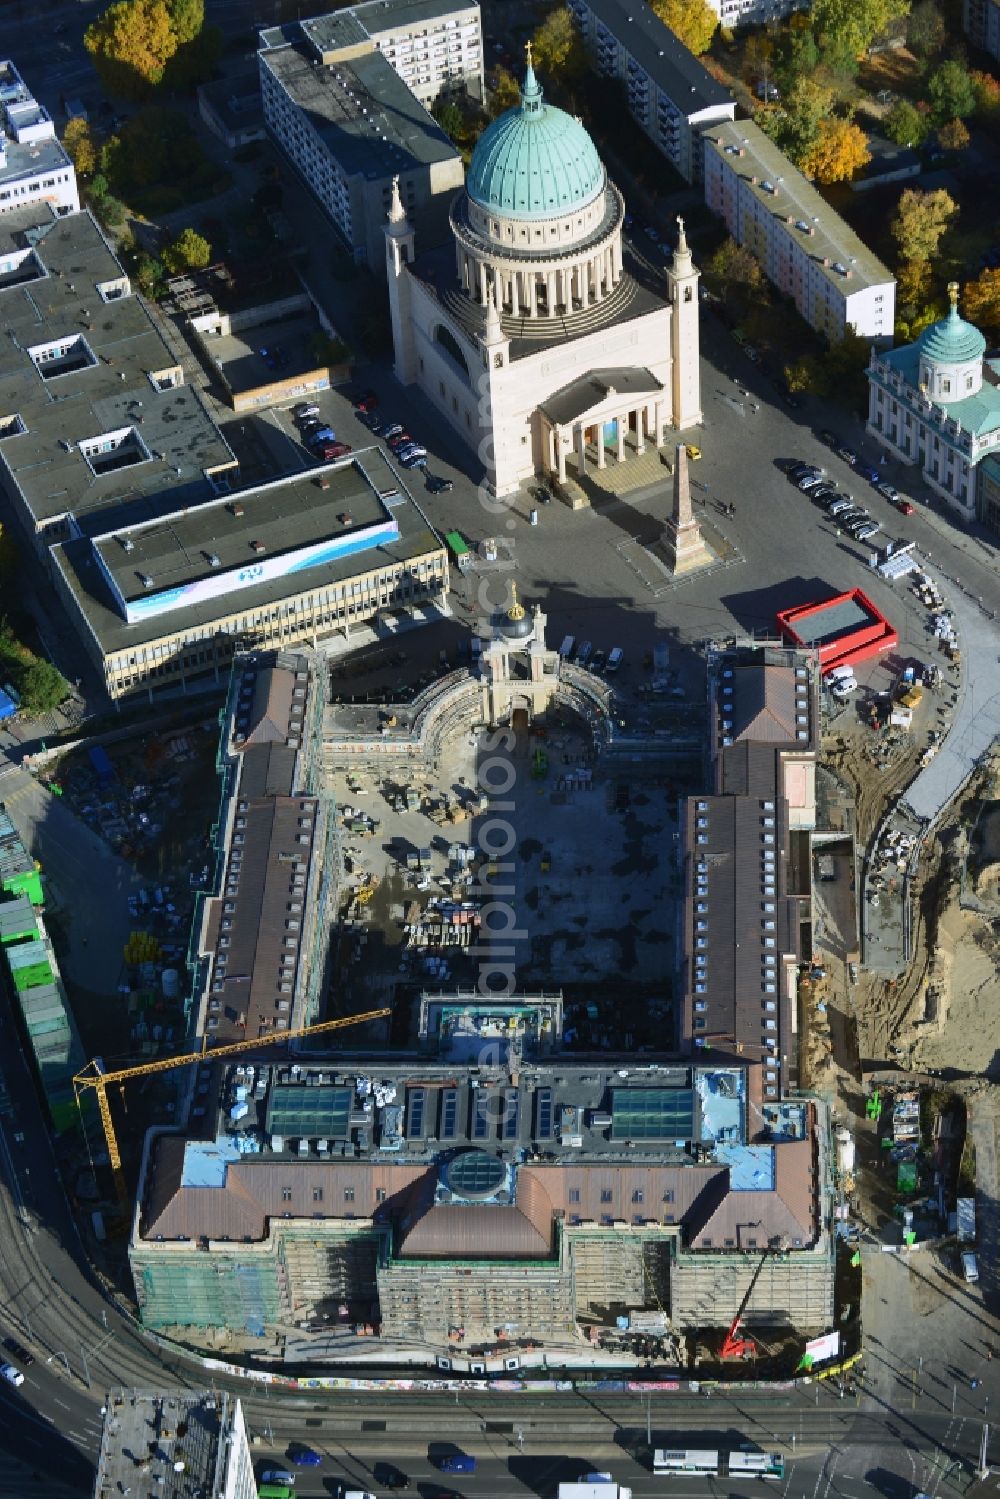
566,649
969,1267
615,659
842,674
844,687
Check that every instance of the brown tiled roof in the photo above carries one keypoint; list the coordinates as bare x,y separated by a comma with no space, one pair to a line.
786,1214
263,927
272,701
697,1198
476,1231
763,704
255,1191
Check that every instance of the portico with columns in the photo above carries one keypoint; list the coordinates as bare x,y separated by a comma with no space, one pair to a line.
602,418
547,346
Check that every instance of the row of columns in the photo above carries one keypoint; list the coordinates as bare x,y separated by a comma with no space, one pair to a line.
643,430
538,293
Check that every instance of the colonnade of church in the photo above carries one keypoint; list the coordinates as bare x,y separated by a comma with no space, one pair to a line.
545,290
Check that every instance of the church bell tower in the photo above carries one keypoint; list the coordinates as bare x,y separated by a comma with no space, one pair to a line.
682,287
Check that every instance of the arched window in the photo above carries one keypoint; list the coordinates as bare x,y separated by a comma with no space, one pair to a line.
449,343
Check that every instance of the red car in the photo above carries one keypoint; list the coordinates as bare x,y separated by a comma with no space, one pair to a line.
904,507
366,401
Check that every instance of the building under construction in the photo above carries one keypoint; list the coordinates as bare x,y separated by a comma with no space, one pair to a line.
523,1205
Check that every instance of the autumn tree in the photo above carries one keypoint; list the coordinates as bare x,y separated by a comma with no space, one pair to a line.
838,152
987,92
80,147
693,21
131,44
981,300
557,48
187,17
913,283
920,222
953,136
845,29
190,251
795,126
925,29
505,93
951,92
904,124
734,273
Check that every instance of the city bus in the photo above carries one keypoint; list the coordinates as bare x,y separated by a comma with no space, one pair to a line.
275,1491
706,1463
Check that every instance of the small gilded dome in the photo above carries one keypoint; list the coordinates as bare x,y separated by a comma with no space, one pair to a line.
534,162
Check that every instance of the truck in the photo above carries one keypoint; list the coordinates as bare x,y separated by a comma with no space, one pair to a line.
594,1486
966,1215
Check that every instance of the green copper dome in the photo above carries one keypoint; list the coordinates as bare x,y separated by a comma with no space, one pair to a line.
952,340
534,162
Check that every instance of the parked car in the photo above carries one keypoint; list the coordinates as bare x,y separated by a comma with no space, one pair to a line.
438,485
830,438
824,491
414,460
366,400
11,1375
848,454
403,440
338,450
411,450
394,429
868,471
840,505
17,1350
903,505
584,653
810,481
693,452
304,410
867,531
368,419
598,661
890,491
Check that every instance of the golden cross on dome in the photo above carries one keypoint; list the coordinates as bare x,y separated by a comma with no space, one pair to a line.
527,52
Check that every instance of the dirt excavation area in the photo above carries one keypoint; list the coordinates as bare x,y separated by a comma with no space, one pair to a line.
944,1012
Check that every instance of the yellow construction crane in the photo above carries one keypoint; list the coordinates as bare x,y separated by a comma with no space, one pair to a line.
97,1079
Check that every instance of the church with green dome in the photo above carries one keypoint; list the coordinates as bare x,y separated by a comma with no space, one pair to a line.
551,351
935,404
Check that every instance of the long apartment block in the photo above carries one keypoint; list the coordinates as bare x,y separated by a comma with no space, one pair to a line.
805,249
670,95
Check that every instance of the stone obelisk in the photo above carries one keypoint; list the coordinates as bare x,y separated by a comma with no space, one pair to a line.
685,547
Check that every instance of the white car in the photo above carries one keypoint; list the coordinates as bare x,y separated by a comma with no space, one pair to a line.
11,1375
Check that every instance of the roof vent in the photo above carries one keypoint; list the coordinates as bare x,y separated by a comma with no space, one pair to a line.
212,559
127,543
235,508
258,546
145,580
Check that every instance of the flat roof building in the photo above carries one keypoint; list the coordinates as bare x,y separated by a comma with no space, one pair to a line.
95,418
349,125
746,873
670,94
292,561
805,249
34,168
174,1444
981,23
